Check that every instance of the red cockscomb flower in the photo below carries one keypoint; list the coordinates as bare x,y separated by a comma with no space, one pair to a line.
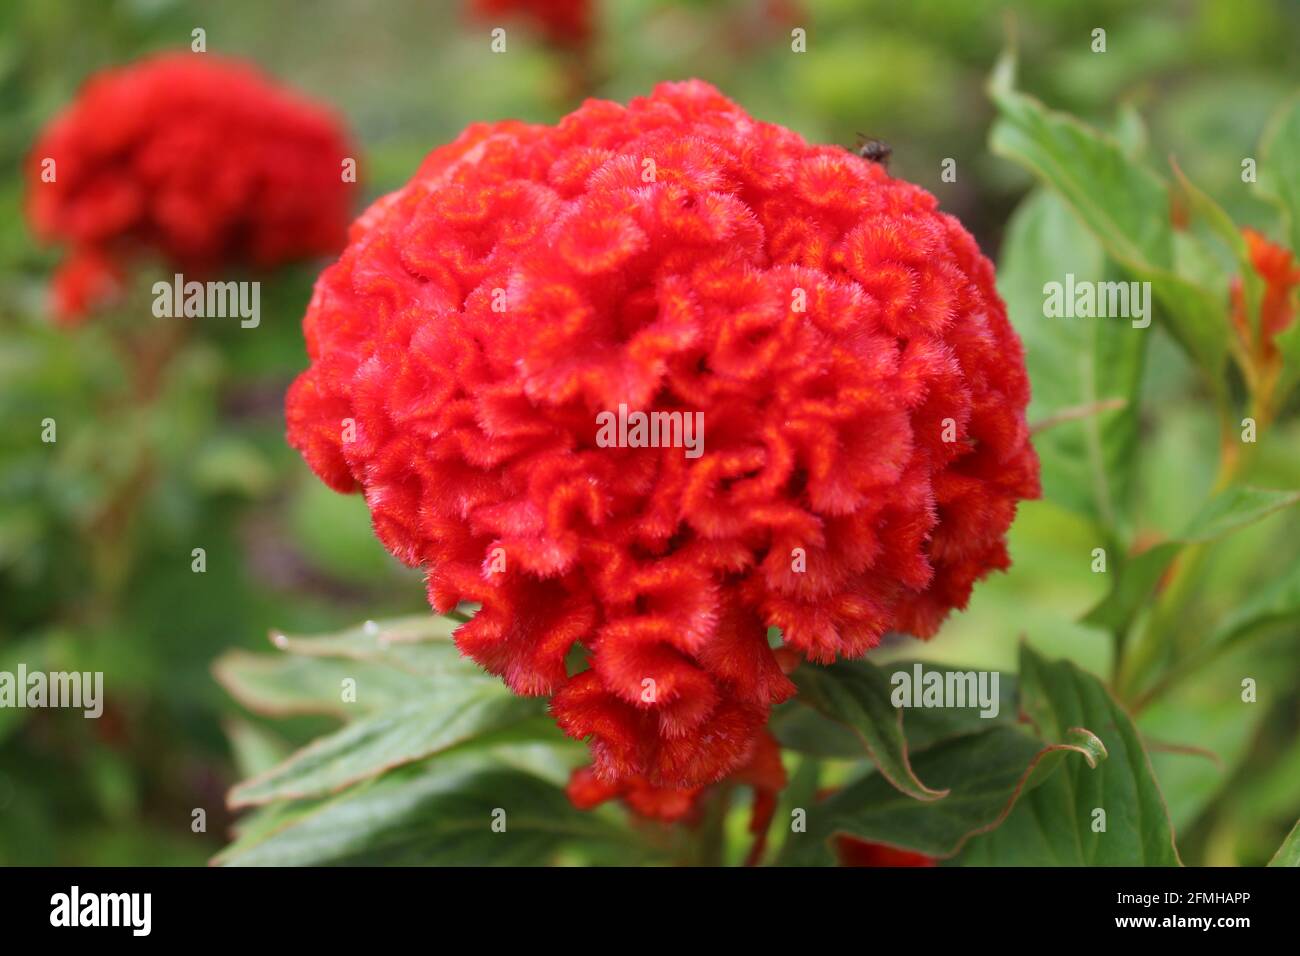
562,22
199,160
862,394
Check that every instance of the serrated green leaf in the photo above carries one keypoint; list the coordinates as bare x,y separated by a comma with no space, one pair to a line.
421,644
281,686
387,652
409,695
440,813
396,736
1087,464
1054,824
1288,854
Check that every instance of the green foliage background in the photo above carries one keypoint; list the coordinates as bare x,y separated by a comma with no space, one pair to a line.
96,531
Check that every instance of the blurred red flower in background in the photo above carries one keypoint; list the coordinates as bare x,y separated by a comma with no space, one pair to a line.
562,22
201,161
862,391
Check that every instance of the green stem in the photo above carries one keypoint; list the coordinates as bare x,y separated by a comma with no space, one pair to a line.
1165,628
712,845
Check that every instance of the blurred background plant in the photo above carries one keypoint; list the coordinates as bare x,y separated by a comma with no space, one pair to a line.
97,530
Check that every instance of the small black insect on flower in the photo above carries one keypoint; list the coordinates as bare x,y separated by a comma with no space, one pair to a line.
874,150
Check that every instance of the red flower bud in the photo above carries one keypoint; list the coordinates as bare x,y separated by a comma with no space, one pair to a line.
563,22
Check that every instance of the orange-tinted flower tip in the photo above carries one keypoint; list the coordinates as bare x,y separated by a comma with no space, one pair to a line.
1276,265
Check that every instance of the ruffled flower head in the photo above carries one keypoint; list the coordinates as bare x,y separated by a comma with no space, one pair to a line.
860,390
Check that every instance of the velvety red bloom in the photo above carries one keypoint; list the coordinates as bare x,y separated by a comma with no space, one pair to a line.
563,22
201,161
665,804
851,851
763,772
1280,273
828,322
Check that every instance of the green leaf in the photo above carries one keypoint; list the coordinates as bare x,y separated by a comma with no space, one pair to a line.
1087,464
1136,576
807,730
420,644
927,726
1054,823
1131,130
1288,854
1206,210
1279,173
1123,204
396,736
1276,603
857,695
390,661
255,749
984,774
804,730
411,695
287,686
1134,580
439,813
1234,509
